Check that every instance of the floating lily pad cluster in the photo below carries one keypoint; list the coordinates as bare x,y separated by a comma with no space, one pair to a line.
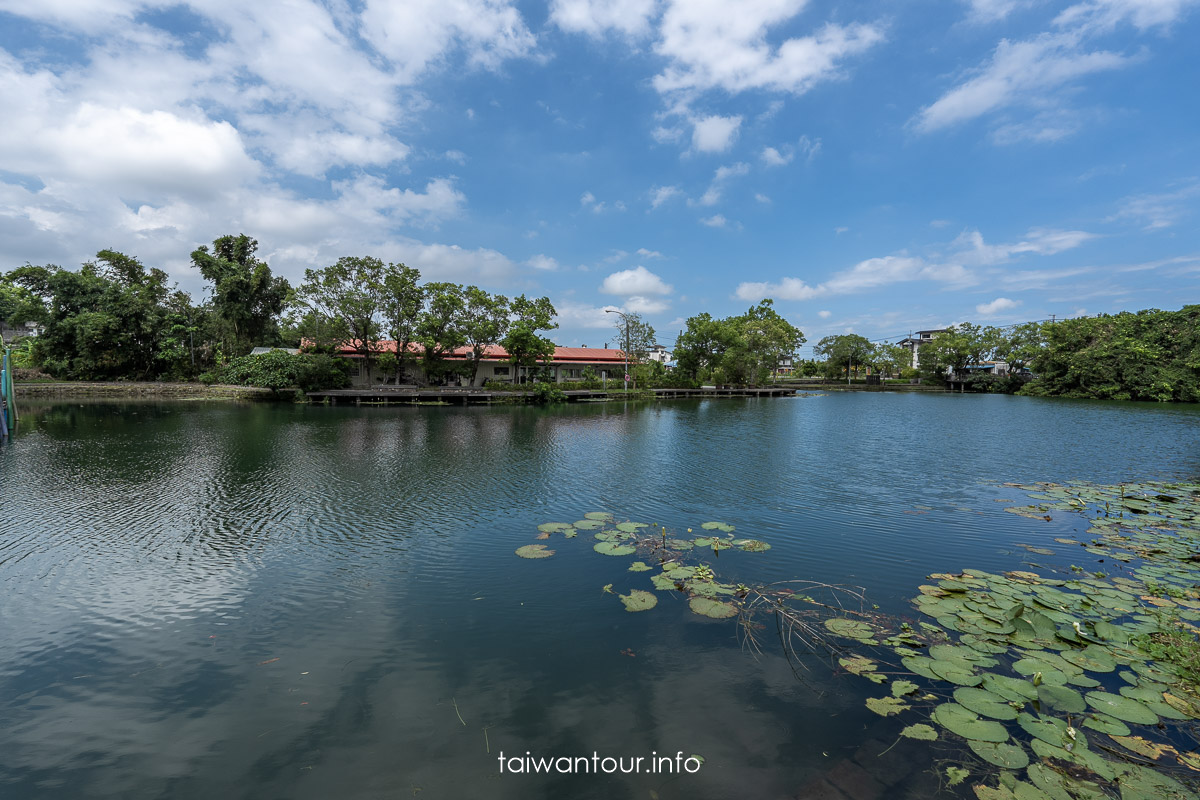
707,596
1022,663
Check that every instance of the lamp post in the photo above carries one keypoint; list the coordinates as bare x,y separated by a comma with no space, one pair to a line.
625,319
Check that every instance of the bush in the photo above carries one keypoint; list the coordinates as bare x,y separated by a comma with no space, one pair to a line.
545,393
319,372
279,370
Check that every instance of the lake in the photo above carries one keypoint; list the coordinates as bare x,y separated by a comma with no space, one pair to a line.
285,601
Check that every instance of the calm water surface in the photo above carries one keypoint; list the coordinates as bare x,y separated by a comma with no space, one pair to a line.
216,600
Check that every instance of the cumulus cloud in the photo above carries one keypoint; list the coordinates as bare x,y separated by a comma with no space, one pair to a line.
715,221
724,46
824,314
543,262
644,253
661,194
596,17
714,134
868,274
997,306
773,158
645,305
638,281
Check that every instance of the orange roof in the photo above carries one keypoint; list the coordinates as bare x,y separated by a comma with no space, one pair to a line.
494,352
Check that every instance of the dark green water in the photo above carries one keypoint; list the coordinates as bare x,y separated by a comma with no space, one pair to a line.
207,600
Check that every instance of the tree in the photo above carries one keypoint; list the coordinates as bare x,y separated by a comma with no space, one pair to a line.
701,345
890,358
247,299
1019,345
762,340
952,350
440,327
525,347
634,336
843,352
403,299
484,323
347,297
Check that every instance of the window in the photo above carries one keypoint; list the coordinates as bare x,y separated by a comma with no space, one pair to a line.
500,370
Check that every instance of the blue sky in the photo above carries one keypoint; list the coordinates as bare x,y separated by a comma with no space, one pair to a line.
875,167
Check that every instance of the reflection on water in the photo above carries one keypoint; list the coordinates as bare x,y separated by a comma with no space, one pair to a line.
286,601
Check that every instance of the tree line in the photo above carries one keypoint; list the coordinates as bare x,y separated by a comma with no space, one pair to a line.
117,319
1143,355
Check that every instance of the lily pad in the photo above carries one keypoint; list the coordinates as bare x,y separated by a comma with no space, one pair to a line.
1002,754
639,600
639,566
708,607
1144,747
554,527
630,527
1122,708
717,526
885,706
1106,724
534,551
849,628
967,724
901,688
1061,698
663,581
751,545
984,703
614,549
920,731
601,516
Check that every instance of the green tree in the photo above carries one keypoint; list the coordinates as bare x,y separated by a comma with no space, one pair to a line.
1019,345
843,353
440,327
891,358
526,348
700,347
348,297
484,323
247,299
403,299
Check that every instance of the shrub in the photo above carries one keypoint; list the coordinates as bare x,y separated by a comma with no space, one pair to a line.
545,393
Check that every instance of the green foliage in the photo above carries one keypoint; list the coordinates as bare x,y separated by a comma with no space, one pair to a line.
280,370
525,347
744,350
247,298
1174,644
546,393
346,299
1148,355
633,335
843,354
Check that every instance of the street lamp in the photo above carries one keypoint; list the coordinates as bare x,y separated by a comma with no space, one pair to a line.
626,347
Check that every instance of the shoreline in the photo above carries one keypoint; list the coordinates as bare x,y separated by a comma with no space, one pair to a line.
135,389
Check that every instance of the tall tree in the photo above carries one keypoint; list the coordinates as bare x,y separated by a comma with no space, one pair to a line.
763,339
439,329
633,335
484,323
843,352
247,299
403,299
348,295
525,347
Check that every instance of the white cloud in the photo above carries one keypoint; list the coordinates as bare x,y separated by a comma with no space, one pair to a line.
596,17
824,314
997,306
1019,73
773,158
983,11
644,253
637,281
543,262
587,199
714,134
720,45
1107,14
973,251
457,156
786,289
645,305
664,135
1158,211
762,198
840,230
715,221
661,194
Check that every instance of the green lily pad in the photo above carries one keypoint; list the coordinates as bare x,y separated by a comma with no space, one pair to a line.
554,527
663,581
630,527
639,600
1002,754
680,544
984,703
588,524
920,666
1050,730
534,551
967,724
614,549
708,607
717,526
1061,698
1144,783
639,566
901,688
1062,787
751,545
955,672
920,731
601,516
885,706
849,628
1106,724
1011,689
1122,708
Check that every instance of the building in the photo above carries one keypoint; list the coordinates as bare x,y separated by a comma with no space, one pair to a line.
658,353
914,341
568,364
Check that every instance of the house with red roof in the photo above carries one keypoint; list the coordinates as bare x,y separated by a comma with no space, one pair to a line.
568,364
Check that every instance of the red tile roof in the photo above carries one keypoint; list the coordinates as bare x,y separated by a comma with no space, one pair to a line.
493,352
